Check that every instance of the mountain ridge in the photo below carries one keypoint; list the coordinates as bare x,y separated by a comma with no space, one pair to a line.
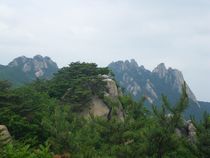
144,76
134,78
23,70
138,81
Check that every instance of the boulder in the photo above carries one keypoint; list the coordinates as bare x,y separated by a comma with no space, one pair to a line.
98,108
113,92
5,136
191,131
112,88
188,130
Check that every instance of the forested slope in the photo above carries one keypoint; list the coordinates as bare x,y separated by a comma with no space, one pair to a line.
46,118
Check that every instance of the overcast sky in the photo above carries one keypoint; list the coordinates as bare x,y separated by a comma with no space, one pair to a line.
176,32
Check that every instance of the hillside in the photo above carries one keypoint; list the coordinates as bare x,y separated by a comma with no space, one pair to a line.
134,79
81,112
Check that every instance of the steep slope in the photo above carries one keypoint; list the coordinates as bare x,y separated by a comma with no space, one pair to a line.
24,70
171,82
138,81
205,106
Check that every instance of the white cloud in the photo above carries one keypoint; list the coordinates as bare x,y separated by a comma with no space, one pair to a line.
5,11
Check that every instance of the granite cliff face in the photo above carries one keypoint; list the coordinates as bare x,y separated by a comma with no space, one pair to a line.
5,136
99,108
138,81
173,78
24,70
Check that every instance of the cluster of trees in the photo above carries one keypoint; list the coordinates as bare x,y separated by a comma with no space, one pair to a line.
43,119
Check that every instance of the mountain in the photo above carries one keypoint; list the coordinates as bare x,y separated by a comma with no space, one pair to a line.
205,106
81,112
138,81
24,70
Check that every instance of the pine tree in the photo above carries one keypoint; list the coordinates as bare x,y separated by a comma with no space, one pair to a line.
162,138
203,136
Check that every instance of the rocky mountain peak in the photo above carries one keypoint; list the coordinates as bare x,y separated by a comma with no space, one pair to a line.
38,57
131,64
138,81
47,58
142,67
127,65
174,78
27,69
18,61
178,81
134,63
38,65
160,70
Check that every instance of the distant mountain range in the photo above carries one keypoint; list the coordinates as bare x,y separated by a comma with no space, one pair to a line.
24,70
138,81
134,79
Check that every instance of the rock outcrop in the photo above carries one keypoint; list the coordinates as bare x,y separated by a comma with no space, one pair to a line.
188,130
191,131
99,108
5,136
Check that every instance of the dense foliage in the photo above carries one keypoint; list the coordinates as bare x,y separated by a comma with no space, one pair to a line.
44,120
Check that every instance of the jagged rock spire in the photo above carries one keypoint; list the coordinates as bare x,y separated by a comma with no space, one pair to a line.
160,70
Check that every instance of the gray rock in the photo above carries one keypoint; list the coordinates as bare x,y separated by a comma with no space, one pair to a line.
5,136
112,88
98,108
191,131
160,70
188,130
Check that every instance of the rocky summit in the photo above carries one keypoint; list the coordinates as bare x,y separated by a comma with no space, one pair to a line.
138,81
24,70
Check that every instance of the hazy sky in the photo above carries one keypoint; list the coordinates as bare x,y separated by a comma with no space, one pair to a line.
176,32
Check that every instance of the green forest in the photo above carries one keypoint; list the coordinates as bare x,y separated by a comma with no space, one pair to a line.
44,119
